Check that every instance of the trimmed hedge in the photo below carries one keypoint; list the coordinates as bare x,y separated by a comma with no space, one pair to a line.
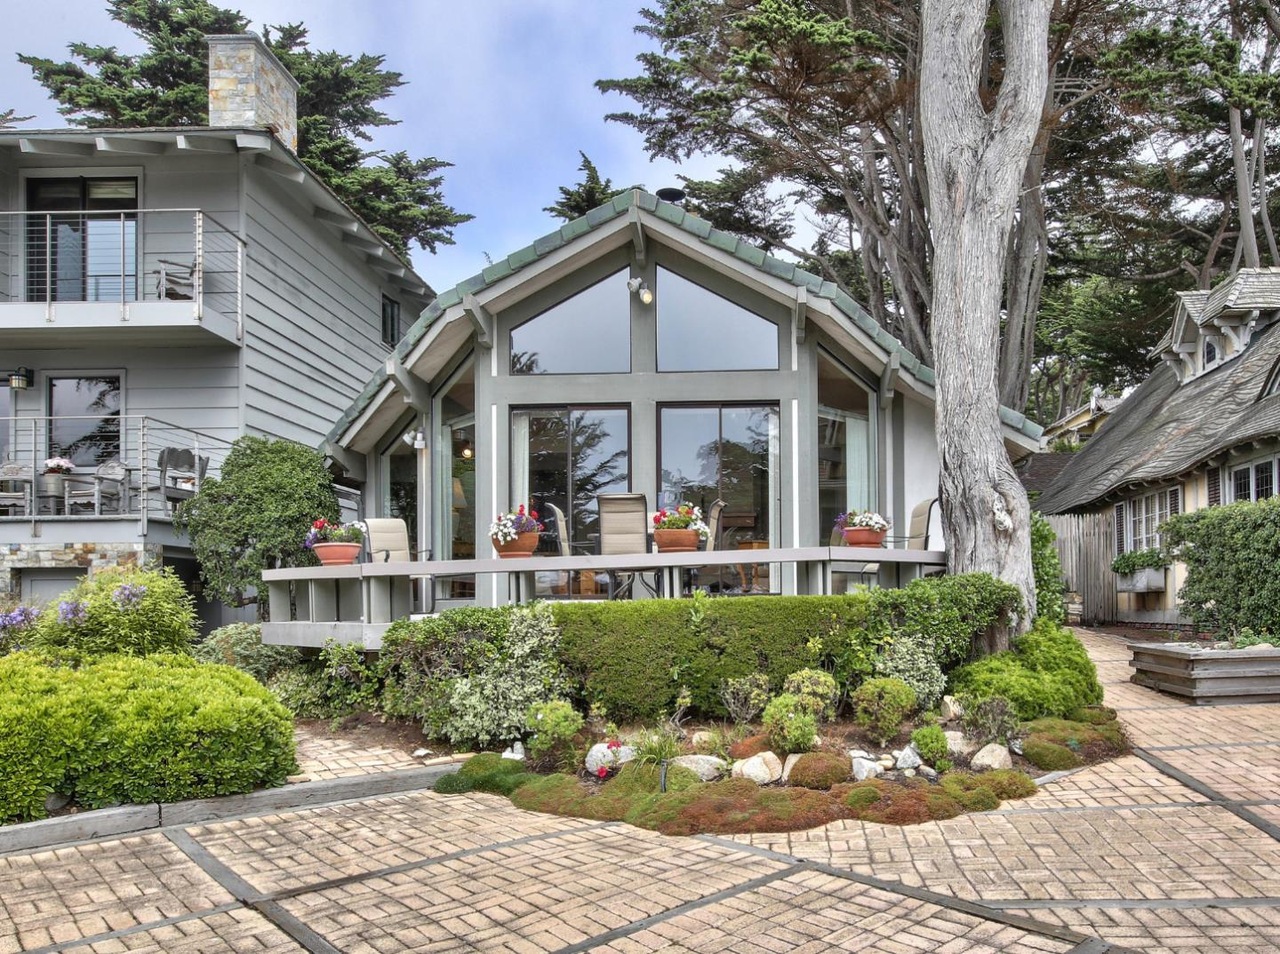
119,729
1047,673
632,658
1231,555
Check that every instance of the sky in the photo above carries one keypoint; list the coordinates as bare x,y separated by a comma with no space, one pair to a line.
503,89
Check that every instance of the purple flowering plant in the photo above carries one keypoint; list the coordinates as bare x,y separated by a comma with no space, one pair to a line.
128,595
72,612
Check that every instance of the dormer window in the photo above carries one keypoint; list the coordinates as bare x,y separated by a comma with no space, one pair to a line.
1209,355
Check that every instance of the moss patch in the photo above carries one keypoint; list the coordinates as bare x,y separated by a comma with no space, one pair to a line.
819,770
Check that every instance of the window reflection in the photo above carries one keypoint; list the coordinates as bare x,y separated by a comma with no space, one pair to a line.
699,330
846,447
589,333
86,419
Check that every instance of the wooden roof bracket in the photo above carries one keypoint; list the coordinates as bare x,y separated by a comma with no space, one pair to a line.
637,234
481,320
352,464
414,391
889,379
800,313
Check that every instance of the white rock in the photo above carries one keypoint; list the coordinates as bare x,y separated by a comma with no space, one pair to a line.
761,769
789,764
908,758
1259,646
909,773
514,752
601,756
928,773
703,738
886,761
422,753
950,709
959,744
860,754
706,767
993,756
864,769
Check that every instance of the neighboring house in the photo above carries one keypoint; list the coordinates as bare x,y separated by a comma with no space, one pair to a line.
1202,430
1038,471
1076,427
165,291
638,349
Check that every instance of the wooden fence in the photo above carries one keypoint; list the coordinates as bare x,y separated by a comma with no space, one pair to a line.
1086,546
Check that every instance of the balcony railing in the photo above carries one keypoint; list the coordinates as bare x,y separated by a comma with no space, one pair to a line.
160,465
173,255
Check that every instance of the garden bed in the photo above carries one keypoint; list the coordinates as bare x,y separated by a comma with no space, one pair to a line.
1208,676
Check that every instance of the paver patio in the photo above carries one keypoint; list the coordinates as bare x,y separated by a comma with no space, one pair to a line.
1172,849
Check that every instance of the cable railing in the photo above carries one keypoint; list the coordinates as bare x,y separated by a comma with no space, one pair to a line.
122,467
174,255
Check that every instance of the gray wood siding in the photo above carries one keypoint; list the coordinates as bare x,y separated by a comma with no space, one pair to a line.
313,317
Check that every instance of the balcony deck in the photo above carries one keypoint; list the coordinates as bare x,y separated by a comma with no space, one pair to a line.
357,603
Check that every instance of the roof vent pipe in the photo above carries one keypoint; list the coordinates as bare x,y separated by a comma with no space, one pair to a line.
670,194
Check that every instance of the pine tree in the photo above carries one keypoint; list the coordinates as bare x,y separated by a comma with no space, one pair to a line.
577,200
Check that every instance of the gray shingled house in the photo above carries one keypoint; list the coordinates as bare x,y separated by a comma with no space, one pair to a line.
162,292
1202,430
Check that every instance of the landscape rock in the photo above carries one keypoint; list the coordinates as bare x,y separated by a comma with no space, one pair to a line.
601,756
993,756
928,773
706,767
422,753
788,765
761,769
1015,746
950,709
702,739
860,754
56,802
515,752
864,769
908,758
959,744
909,773
1259,646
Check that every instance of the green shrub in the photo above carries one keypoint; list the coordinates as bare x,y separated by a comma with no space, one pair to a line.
993,719
240,645
633,657
911,659
487,772
1231,554
930,743
1047,672
350,683
745,697
790,724
881,706
819,770
1131,561
302,690
119,610
1049,756
816,689
118,729
17,624
1047,570
553,726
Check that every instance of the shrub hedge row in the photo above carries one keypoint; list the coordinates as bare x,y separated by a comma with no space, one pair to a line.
116,729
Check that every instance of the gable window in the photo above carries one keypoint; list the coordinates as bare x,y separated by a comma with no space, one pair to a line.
390,321
699,330
587,333
1139,518
85,418
1209,354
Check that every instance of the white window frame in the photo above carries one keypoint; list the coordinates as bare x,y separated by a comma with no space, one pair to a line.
1143,514
1250,467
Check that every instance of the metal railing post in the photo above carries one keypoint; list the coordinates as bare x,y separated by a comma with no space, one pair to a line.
124,313
199,274
48,267
144,476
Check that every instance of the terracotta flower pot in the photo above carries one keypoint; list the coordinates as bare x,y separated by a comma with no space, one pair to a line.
336,554
522,546
863,537
676,541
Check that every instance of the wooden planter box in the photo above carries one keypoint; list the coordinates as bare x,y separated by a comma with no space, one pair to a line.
1146,580
1208,676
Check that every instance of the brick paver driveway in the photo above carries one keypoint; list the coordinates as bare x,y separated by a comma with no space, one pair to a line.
1172,849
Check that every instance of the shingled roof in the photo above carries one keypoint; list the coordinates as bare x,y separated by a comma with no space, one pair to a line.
815,286
1165,430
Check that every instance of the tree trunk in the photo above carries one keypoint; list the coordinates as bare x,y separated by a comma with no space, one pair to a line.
1244,192
975,161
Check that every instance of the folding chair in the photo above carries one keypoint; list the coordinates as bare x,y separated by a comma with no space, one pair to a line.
624,528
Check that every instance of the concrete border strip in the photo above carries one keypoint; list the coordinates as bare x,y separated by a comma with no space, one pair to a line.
1215,797
1134,904
134,929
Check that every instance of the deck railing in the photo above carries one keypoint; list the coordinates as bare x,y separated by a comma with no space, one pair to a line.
147,447
174,255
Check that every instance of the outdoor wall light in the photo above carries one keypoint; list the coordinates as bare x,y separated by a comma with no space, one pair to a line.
467,452
638,287
20,380
415,439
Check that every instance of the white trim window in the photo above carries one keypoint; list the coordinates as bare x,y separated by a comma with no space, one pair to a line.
1143,516
1253,481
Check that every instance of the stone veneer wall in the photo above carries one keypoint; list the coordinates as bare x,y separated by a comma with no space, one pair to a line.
92,556
249,87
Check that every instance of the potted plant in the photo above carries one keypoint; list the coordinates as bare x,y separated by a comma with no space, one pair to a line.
334,544
50,483
679,530
862,528
515,533
1141,571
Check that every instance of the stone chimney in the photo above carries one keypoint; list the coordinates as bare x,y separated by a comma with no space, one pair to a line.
249,87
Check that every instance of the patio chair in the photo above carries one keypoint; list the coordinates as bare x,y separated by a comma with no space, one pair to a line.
564,546
175,281
624,528
917,537
107,485
867,573
17,488
181,472
386,540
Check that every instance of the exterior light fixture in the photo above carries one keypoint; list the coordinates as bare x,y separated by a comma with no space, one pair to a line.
415,439
20,380
638,288
467,452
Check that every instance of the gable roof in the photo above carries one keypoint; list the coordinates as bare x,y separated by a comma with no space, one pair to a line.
1164,430
639,206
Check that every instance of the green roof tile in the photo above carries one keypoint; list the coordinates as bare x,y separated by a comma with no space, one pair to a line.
751,254
622,201
548,243
473,284
699,227
829,290
670,213
522,257
498,270
571,230
778,268
723,241
648,202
